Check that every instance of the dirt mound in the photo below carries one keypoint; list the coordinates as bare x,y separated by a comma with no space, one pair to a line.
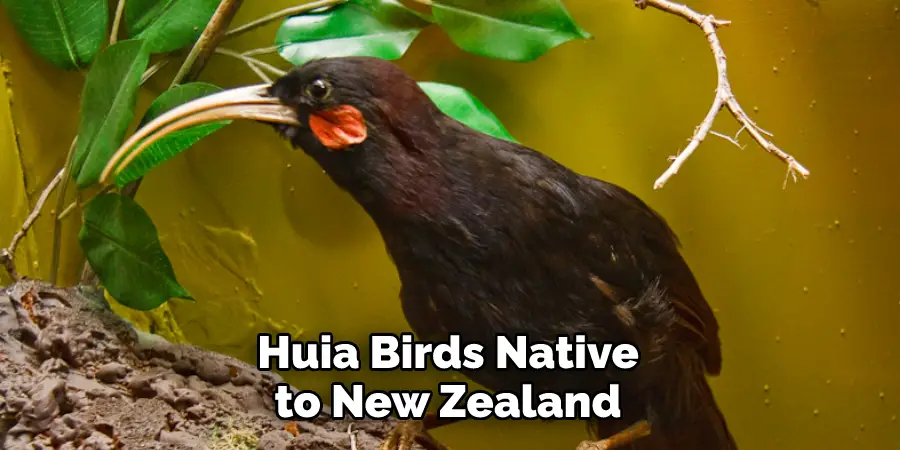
75,376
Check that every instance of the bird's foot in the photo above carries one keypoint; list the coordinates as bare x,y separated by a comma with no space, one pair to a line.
594,445
408,432
624,437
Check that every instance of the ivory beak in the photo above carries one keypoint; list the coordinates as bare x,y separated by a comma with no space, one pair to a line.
249,103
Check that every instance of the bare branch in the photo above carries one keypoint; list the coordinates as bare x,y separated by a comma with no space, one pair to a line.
724,96
8,255
733,140
286,12
251,61
60,201
353,445
262,75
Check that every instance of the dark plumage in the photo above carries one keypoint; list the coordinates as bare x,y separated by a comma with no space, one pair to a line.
489,236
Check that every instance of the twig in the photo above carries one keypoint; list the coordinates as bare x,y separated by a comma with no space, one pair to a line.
117,21
209,39
8,255
261,51
733,140
352,437
724,96
60,201
65,213
79,203
262,75
153,69
287,12
251,61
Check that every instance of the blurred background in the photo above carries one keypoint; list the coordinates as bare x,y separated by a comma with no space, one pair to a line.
803,280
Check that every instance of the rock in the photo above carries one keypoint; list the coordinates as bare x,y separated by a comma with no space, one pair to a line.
98,441
213,371
275,440
45,402
141,384
181,439
111,372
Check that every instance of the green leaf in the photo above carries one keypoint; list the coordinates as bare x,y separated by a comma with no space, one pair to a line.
168,25
140,13
394,12
107,107
121,244
66,33
516,30
383,29
461,105
174,143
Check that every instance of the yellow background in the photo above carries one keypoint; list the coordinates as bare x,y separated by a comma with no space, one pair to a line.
267,244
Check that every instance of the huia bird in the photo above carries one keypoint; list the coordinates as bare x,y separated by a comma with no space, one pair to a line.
489,236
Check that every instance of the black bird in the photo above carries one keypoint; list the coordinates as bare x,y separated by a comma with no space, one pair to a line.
489,236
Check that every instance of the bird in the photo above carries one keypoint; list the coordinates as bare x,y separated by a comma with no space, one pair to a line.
489,236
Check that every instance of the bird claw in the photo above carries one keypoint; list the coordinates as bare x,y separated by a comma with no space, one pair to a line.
627,436
595,445
408,432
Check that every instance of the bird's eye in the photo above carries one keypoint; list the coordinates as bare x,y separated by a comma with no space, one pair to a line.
318,89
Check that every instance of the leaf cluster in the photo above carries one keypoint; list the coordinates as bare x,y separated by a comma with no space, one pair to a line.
118,237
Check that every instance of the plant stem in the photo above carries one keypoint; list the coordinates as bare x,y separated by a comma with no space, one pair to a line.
251,60
209,39
191,67
57,221
117,21
153,69
286,12
8,254
63,213
78,203
196,59
261,51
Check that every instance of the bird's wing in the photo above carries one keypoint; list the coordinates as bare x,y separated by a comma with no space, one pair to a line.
628,248
645,244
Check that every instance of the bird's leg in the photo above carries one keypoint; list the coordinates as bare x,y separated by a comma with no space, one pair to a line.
624,437
409,431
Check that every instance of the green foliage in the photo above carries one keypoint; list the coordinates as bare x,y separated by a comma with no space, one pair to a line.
66,33
173,143
516,30
118,238
383,29
458,103
107,107
167,25
121,244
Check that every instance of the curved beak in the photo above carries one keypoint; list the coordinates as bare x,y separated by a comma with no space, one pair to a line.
249,103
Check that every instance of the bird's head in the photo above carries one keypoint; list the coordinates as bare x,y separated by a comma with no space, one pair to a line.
327,107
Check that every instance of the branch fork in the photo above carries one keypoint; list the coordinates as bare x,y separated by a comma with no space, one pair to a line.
724,98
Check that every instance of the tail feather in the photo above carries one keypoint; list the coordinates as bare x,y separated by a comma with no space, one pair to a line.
701,427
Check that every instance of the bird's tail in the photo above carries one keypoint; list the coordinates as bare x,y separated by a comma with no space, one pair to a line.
703,428
699,425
